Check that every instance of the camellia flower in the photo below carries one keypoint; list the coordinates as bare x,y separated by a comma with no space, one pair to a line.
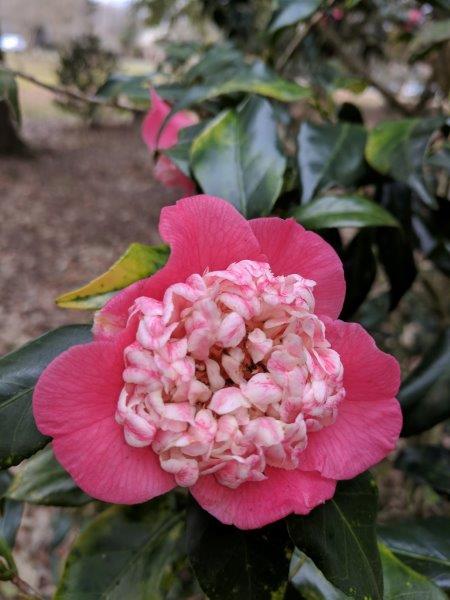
165,170
225,372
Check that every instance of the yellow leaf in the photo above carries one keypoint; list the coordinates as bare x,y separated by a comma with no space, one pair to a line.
139,261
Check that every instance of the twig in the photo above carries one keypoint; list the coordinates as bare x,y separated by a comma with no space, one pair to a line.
75,95
26,589
301,32
357,67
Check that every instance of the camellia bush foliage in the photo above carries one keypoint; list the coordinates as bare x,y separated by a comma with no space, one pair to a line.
254,129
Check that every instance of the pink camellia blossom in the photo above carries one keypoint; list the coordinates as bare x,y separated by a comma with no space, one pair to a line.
414,18
225,372
165,170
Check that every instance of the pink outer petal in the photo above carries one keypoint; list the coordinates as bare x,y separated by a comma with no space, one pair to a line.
155,119
204,233
369,419
255,504
167,173
292,249
75,401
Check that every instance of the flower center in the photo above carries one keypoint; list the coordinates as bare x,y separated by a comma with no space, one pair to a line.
228,374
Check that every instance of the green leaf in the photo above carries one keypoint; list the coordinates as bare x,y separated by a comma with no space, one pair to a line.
237,158
138,261
343,211
400,581
427,464
429,35
293,11
133,87
360,269
310,582
217,62
397,148
44,481
10,93
340,538
235,564
440,159
395,246
126,552
423,545
180,154
7,565
10,517
328,154
19,371
424,393
256,78
10,512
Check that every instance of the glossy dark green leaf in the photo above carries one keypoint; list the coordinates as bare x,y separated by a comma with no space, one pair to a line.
308,582
428,36
10,512
422,544
424,395
360,269
255,78
215,63
340,538
291,12
397,148
180,154
427,464
441,159
400,581
133,87
235,564
10,517
237,158
440,255
432,229
343,211
395,246
126,552
7,565
43,481
332,153
19,371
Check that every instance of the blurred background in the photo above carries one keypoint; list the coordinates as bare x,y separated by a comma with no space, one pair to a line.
76,180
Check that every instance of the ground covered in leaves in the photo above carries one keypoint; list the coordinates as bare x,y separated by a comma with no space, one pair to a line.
67,214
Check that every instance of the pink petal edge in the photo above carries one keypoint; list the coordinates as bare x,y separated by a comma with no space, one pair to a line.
167,173
369,419
203,232
75,401
255,504
151,126
292,249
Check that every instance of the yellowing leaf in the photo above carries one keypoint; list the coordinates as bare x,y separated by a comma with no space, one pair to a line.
139,261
